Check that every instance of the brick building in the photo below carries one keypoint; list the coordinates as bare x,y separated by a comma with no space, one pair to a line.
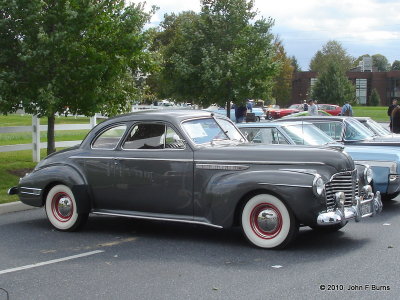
386,83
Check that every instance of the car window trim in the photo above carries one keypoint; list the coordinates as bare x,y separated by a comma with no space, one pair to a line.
166,124
104,130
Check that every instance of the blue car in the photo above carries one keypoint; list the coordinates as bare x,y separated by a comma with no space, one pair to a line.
383,160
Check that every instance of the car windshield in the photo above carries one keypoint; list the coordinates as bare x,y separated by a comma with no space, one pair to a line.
307,134
376,128
208,130
355,131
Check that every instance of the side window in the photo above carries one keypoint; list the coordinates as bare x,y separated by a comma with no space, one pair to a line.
109,139
279,138
145,136
172,140
334,130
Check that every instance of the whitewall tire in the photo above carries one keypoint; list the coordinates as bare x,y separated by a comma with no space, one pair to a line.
267,222
61,209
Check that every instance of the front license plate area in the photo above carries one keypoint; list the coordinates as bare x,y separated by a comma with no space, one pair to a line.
366,209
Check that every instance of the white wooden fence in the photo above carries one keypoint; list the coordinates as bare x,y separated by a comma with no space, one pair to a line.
36,128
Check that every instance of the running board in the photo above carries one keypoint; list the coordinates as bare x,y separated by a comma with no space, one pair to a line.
114,214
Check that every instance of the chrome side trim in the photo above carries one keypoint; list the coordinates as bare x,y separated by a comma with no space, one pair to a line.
30,191
132,158
222,167
155,218
392,165
283,184
262,162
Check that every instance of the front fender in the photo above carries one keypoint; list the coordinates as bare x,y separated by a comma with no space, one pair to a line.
225,192
33,188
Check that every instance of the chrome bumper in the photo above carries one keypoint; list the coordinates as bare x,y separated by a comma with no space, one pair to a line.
368,207
13,191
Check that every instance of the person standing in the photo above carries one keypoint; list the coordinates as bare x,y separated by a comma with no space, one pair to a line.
390,110
396,119
240,112
347,110
305,106
312,108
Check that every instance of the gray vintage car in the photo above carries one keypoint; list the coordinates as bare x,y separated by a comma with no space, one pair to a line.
196,167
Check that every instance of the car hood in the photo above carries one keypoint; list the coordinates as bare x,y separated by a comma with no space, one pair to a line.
278,154
378,153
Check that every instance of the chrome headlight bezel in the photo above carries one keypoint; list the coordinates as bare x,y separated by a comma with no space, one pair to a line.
368,174
318,186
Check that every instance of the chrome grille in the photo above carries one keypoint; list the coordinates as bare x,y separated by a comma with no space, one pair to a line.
345,182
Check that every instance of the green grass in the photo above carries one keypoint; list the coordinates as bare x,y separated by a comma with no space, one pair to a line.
378,113
14,165
19,162
26,137
26,120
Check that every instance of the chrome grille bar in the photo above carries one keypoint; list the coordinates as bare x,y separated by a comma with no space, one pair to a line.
345,182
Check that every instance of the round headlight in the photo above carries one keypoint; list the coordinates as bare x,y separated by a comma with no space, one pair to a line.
318,185
368,175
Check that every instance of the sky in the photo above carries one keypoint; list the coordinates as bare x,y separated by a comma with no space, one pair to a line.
362,27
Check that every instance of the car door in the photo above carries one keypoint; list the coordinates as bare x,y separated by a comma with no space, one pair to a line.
154,171
98,164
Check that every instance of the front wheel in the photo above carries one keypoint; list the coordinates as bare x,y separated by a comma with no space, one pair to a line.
61,209
268,223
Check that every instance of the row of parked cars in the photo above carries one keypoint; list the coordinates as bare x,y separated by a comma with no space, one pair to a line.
197,167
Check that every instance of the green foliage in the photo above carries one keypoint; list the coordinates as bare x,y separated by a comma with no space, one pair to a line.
396,65
295,64
332,52
333,86
282,86
218,55
380,61
374,99
80,55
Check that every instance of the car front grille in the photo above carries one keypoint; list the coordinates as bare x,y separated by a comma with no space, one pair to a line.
345,182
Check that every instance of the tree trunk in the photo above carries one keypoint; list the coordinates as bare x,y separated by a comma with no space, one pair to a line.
51,144
228,109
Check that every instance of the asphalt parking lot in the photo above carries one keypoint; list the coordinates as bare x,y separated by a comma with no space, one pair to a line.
129,259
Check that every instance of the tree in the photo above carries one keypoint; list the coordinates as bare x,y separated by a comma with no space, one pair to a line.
219,55
295,64
69,56
374,99
381,62
333,86
332,51
396,65
282,85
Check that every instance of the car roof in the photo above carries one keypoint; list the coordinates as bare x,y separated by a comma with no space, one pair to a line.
331,118
171,115
274,124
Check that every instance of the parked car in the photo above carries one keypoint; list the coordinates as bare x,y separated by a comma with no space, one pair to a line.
384,161
276,113
376,128
307,113
334,110
258,112
196,167
299,107
347,130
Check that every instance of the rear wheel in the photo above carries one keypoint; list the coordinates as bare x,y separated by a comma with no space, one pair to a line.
268,223
61,209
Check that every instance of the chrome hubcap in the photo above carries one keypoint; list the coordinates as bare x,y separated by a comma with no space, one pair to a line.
268,220
65,206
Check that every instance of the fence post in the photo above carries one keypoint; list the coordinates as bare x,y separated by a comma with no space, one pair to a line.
35,138
93,121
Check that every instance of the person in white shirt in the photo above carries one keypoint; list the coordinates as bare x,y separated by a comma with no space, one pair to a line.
312,108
